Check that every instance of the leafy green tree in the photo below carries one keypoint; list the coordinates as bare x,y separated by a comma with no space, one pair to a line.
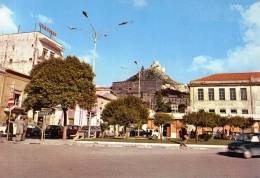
222,121
209,120
241,122
160,119
125,111
194,118
58,82
161,106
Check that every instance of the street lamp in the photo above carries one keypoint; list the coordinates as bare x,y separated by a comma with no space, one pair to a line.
96,35
139,79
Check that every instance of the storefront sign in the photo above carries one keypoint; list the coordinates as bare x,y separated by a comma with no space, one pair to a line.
47,29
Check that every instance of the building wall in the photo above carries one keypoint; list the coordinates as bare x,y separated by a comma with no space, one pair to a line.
21,51
251,104
11,83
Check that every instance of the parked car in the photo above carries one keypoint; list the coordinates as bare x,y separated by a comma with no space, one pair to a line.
134,133
72,130
95,131
33,131
246,144
153,134
2,128
53,131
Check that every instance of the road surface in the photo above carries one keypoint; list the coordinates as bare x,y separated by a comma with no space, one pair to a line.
74,161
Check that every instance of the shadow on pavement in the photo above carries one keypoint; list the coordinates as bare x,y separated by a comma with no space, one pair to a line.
233,155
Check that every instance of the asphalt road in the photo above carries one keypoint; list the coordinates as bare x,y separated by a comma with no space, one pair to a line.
67,161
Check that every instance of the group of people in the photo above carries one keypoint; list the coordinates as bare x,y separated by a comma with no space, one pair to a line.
21,128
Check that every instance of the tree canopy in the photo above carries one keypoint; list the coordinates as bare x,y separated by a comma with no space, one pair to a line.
161,105
161,118
61,82
125,111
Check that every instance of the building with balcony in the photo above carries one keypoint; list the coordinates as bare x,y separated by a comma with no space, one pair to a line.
22,51
227,94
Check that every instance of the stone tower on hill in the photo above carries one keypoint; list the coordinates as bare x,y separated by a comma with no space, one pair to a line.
152,80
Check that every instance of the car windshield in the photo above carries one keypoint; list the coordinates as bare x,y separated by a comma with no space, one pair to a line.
245,137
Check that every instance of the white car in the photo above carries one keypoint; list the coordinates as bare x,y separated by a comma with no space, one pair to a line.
3,128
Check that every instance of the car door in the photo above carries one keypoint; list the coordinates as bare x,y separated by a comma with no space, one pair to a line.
255,148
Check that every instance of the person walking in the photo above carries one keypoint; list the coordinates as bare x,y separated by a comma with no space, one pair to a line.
25,119
184,136
9,129
19,129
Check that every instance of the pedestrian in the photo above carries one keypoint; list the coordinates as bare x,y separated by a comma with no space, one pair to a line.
1,137
19,128
25,119
9,129
184,136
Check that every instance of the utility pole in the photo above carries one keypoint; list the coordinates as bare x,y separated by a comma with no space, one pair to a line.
139,79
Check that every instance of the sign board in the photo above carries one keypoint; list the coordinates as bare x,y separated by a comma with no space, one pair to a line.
10,102
47,29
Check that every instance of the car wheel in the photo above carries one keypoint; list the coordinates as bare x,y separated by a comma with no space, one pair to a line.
247,154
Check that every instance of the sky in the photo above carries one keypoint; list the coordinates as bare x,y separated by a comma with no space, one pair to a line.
190,38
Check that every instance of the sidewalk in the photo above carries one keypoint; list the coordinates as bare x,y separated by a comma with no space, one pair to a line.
119,144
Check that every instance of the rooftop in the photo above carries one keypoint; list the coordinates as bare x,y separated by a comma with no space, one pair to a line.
247,76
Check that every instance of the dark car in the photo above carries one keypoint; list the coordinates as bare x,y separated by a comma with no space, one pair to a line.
33,131
134,133
72,130
246,144
53,131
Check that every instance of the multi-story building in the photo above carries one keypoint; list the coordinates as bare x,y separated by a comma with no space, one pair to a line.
227,94
12,85
80,116
21,51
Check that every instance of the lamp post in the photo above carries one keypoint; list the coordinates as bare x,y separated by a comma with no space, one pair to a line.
96,35
139,79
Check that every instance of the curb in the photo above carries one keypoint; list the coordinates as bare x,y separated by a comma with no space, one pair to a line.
121,144
147,145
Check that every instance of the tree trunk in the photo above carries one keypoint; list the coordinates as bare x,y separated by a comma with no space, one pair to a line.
138,131
114,131
161,131
196,133
64,123
125,132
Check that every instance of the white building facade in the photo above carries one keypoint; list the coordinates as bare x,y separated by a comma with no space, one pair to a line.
104,96
227,94
21,51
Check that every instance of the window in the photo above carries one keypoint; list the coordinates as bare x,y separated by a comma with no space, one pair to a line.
232,94
10,61
44,52
222,111
211,94
52,55
212,110
243,93
30,59
17,99
244,111
200,94
233,111
222,94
